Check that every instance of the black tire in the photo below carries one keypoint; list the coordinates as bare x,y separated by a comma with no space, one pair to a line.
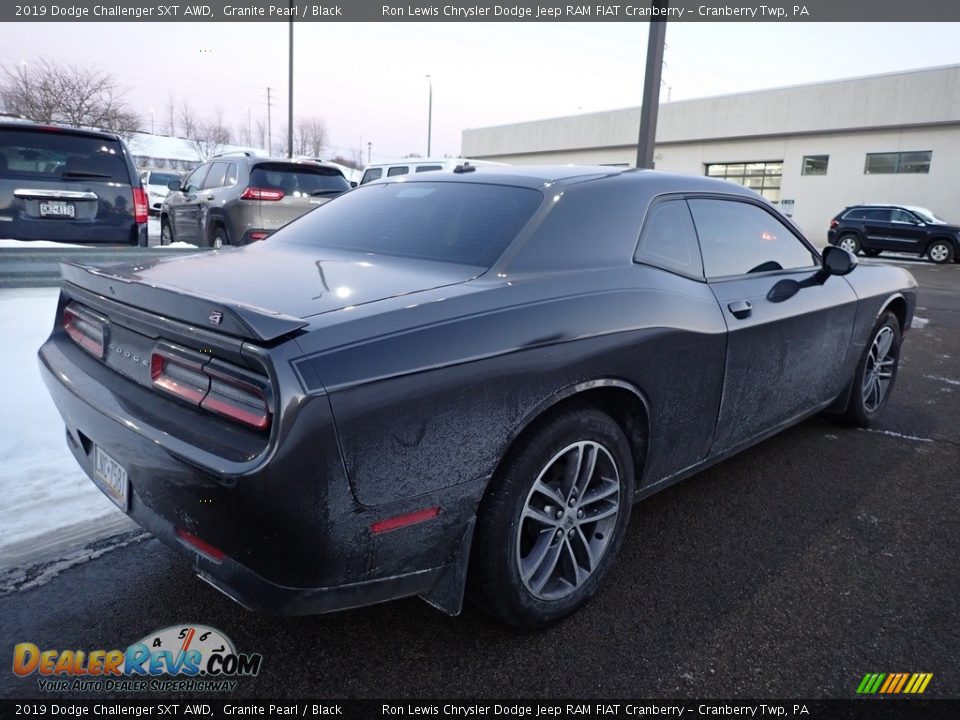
219,237
166,232
549,451
941,252
862,408
849,242
871,253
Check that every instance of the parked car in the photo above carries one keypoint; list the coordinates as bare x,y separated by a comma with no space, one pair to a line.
69,185
157,185
459,375
873,229
376,171
236,199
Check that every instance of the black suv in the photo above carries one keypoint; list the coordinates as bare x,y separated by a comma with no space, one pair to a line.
895,228
69,185
237,198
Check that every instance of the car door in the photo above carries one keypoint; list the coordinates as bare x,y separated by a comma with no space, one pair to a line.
184,208
211,195
878,229
907,232
784,351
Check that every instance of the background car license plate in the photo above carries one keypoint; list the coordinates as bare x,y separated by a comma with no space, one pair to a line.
111,477
57,208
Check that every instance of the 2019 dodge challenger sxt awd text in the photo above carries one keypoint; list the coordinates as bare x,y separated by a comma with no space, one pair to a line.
459,380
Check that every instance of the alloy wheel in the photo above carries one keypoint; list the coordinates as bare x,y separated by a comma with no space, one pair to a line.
568,520
878,372
849,244
939,253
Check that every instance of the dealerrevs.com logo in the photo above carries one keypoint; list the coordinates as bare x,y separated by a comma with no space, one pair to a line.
177,658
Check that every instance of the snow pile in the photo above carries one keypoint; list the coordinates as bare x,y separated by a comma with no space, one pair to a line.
46,496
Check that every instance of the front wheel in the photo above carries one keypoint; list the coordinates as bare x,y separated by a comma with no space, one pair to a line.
940,251
875,374
553,520
166,232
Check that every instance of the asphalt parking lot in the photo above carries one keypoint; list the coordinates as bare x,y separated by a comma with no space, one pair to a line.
790,570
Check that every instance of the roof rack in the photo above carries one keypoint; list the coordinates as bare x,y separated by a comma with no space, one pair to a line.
228,153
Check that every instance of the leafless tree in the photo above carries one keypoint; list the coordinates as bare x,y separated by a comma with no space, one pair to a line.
343,160
260,133
206,137
310,137
170,110
49,92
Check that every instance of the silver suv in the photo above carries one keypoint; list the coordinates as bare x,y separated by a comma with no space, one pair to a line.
236,199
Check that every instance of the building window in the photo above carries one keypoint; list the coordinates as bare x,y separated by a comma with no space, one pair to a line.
762,177
898,162
815,164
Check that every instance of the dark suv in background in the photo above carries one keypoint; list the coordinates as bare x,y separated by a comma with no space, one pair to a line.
69,185
873,229
236,199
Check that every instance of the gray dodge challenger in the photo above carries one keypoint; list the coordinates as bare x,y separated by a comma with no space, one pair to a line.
458,384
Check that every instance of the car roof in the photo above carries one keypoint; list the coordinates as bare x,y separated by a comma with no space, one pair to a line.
539,176
29,125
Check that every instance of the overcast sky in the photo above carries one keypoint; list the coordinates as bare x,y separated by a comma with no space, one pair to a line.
367,80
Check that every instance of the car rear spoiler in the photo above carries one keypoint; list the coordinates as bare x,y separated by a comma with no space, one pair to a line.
225,316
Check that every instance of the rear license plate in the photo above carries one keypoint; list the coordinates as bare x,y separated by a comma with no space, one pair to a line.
57,208
111,477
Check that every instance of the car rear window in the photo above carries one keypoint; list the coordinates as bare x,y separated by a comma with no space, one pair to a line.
455,222
297,180
53,155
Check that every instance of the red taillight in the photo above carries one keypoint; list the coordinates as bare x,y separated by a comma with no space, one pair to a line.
255,193
140,205
258,235
213,387
834,223
236,399
394,523
179,376
85,329
204,547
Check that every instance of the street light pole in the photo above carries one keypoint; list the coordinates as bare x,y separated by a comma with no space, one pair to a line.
290,93
369,149
651,87
429,114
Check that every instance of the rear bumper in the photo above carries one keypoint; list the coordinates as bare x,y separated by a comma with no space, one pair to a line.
294,540
84,232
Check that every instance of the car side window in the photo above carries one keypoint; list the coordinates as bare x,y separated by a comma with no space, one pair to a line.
216,177
195,179
902,216
231,178
669,241
371,175
398,170
737,238
877,215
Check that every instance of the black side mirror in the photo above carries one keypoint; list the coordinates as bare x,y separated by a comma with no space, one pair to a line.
838,261
353,183
174,185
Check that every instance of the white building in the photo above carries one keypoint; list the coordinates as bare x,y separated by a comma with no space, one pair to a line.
812,148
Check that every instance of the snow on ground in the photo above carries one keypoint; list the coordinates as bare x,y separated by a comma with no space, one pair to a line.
47,499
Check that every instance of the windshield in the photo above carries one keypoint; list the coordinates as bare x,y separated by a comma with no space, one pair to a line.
926,215
465,223
163,179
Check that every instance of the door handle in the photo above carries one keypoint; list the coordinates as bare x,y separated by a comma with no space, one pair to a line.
740,309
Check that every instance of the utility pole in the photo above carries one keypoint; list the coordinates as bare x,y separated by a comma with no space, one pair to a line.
429,114
269,127
651,86
369,150
290,93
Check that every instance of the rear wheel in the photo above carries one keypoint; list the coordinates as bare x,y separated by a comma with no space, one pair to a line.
219,238
554,519
850,242
940,251
875,374
166,232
